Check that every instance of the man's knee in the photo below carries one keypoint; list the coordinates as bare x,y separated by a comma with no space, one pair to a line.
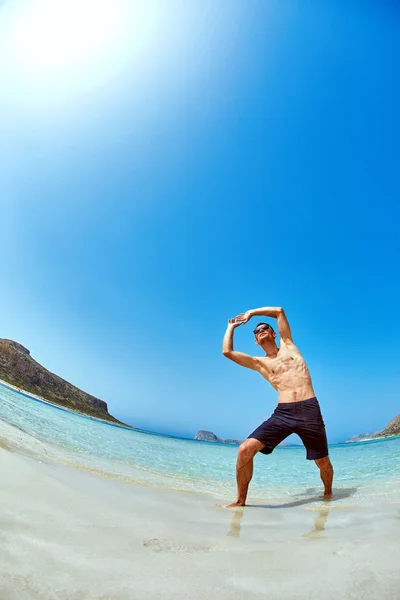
249,448
323,463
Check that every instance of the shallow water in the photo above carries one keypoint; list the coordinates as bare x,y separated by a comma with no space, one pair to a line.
366,470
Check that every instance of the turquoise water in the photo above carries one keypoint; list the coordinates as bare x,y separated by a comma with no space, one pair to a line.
370,468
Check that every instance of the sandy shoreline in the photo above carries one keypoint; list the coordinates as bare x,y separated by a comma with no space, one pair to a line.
70,534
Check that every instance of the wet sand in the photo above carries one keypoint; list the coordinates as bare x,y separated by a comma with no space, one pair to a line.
73,535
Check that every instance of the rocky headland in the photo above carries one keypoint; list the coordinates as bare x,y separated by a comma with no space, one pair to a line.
19,369
209,436
392,428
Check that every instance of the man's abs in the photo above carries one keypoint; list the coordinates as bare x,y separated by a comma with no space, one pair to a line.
296,395
293,386
291,380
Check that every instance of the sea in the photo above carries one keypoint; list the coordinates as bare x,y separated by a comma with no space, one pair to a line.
368,470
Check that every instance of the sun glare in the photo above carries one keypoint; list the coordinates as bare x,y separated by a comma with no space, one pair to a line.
52,51
62,34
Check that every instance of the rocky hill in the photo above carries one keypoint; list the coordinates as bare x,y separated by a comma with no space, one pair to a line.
392,428
209,436
18,368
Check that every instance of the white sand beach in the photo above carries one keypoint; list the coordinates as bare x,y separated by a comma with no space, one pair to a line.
70,534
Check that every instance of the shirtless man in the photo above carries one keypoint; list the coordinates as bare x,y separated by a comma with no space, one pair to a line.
298,409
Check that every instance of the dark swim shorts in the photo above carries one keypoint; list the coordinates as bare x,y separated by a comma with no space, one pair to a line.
304,418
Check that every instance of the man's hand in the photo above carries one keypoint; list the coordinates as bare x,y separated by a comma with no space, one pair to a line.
233,323
244,317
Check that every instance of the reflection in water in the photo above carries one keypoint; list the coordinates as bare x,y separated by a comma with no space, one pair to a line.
320,520
235,523
319,524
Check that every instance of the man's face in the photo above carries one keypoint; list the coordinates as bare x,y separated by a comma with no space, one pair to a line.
264,333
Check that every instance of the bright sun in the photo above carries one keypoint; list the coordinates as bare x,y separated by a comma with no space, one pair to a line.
62,34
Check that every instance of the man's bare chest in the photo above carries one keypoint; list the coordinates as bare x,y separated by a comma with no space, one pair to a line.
282,365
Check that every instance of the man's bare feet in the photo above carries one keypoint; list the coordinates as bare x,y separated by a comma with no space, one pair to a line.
328,495
234,504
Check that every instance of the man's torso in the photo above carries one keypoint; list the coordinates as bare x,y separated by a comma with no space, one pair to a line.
287,373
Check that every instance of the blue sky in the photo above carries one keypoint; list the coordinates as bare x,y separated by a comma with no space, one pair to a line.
175,163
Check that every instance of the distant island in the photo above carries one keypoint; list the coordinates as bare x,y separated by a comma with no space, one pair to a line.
19,369
362,437
209,436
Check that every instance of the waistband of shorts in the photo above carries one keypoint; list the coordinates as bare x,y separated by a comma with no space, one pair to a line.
299,403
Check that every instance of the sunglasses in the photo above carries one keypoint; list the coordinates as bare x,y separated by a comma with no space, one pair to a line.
261,328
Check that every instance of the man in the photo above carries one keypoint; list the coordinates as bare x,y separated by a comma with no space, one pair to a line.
298,409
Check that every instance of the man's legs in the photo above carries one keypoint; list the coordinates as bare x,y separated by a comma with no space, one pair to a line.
244,468
326,473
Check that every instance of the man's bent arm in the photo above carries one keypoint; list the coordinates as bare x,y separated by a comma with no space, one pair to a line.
267,311
245,360
276,312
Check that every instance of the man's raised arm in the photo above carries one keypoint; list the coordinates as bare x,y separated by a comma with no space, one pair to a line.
276,312
245,360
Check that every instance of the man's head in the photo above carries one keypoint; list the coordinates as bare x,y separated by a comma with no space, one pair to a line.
264,333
